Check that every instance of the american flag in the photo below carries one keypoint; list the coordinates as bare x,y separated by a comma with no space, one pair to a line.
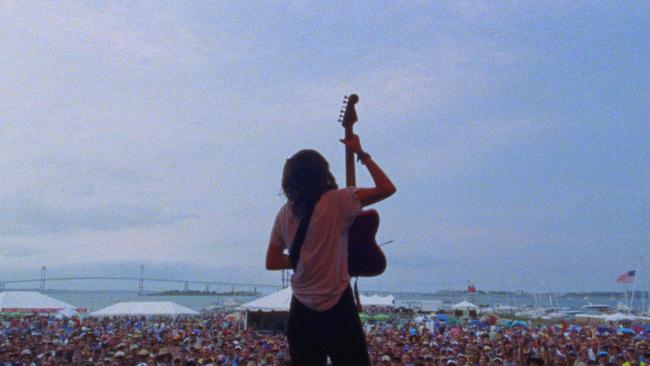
626,277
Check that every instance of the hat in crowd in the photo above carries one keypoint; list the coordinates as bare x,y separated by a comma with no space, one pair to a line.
119,354
497,359
164,351
385,358
143,352
26,352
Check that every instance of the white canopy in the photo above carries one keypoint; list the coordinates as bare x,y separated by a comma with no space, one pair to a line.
146,308
32,302
376,300
464,305
617,317
281,300
66,313
277,301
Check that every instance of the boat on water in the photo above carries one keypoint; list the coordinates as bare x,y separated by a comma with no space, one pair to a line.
227,304
602,308
551,313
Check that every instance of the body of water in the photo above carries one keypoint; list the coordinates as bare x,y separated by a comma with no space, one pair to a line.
94,300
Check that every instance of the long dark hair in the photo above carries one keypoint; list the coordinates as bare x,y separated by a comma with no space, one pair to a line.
306,176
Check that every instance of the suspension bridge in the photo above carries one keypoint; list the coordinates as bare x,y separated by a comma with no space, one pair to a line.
141,279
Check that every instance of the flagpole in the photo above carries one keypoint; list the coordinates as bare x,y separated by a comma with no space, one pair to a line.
634,287
629,306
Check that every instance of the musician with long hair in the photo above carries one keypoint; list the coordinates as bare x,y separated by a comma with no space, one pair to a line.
323,320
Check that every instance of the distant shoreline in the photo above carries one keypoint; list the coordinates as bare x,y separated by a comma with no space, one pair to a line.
200,293
462,293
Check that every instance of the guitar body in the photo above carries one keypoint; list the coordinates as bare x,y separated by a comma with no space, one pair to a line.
365,258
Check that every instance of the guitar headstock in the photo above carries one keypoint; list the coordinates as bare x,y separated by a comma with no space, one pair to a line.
348,114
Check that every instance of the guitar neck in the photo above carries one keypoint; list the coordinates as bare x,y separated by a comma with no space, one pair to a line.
347,118
350,177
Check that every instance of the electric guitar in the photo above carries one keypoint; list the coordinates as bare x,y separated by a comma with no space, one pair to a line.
365,258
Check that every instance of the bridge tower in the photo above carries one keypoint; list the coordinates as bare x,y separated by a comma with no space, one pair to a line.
141,279
285,278
186,286
2,286
43,275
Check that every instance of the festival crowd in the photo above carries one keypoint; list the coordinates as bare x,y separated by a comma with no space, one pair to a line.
215,339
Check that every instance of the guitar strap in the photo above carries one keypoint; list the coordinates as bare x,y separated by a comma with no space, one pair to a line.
299,239
357,297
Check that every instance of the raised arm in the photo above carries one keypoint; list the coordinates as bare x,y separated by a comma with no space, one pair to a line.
383,188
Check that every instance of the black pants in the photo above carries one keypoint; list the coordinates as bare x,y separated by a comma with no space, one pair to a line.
337,333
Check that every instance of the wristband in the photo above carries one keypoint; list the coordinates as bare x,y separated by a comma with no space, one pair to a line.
362,155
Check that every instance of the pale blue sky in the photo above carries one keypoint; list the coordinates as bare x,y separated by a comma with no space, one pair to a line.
155,133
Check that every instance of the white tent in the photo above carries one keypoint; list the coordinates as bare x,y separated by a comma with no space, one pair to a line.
32,302
271,311
144,308
268,313
464,305
66,313
376,300
617,317
277,301
281,300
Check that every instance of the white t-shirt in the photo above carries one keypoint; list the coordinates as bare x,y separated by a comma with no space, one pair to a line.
322,272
